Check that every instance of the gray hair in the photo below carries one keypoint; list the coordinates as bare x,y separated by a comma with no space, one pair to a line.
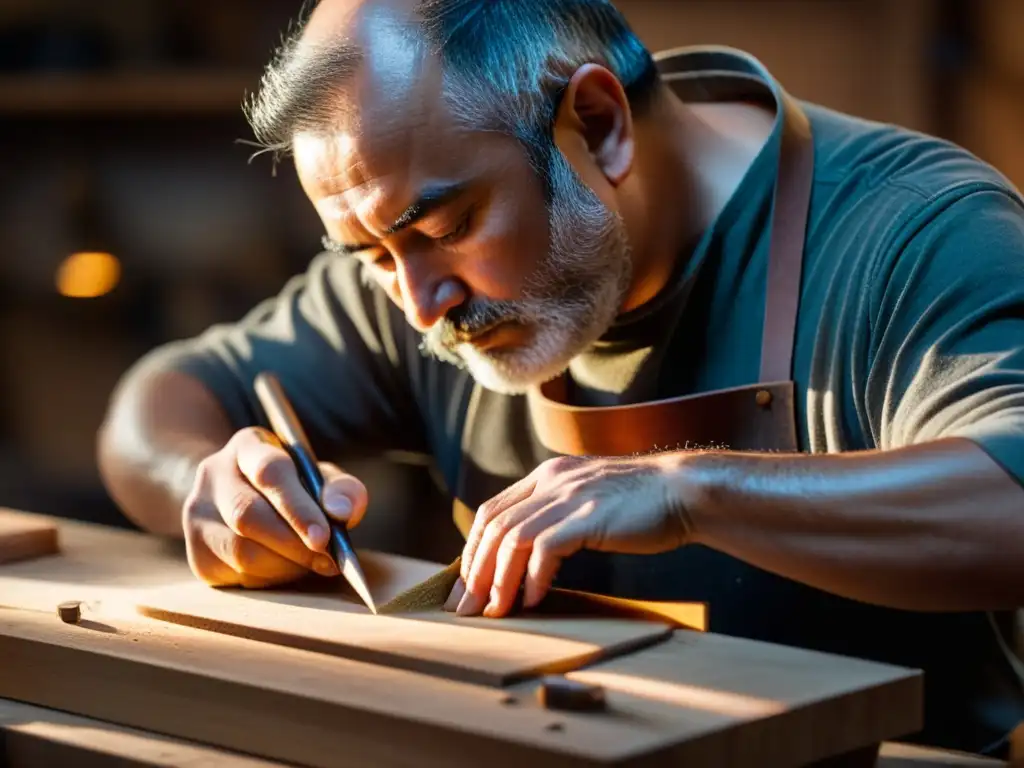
505,65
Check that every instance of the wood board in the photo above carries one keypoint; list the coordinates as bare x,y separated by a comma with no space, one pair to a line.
34,737
324,615
23,537
316,710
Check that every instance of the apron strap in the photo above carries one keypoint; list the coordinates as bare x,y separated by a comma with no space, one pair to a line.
703,73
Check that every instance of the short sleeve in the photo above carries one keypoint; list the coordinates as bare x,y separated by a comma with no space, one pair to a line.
948,329
337,349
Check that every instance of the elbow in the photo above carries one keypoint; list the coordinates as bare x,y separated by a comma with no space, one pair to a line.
117,449
158,425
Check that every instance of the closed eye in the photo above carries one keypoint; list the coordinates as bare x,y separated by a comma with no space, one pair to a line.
460,231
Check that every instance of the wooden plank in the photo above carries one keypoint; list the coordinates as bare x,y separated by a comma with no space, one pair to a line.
24,538
324,616
761,705
37,737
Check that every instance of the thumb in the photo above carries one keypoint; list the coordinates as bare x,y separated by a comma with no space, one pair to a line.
344,497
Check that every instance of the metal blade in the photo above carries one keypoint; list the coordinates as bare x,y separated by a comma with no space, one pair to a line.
354,574
345,556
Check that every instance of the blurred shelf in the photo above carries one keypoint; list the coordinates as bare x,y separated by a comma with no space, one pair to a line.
170,93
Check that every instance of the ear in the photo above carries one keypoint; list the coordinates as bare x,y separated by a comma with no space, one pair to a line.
594,115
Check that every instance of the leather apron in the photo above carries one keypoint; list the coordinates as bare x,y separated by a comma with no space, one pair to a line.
742,600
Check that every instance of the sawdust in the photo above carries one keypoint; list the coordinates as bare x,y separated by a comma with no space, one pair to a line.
427,595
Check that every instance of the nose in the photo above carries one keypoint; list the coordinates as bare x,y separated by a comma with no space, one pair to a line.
427,297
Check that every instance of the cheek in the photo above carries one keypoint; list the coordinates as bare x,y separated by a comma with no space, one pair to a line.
505,252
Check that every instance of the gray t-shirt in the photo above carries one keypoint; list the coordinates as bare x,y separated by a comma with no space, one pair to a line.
910,328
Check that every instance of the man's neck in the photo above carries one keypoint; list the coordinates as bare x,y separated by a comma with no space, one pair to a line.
694,158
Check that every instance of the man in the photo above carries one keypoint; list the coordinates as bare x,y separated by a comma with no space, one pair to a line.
568,274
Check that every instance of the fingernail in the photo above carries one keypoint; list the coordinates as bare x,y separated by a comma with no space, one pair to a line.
530,595
491,611
316,537
452,603
469,605
325,566
337,504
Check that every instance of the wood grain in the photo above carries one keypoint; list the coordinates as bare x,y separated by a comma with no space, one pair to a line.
753,705
24,538
323,615
840,704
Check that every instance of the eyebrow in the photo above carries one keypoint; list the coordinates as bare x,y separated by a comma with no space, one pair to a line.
430,199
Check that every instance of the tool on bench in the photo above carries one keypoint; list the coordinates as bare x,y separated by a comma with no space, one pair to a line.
289,431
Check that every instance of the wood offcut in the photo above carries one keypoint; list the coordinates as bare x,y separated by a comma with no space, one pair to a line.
24,537
70,612
556,692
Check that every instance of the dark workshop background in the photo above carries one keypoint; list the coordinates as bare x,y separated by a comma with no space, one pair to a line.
121,176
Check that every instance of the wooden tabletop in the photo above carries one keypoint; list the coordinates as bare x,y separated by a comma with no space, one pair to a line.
35,737
108,565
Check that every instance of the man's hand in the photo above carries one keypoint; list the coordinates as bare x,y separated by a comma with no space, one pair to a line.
627,505
249,521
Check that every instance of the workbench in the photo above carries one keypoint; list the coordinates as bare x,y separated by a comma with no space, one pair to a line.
122,688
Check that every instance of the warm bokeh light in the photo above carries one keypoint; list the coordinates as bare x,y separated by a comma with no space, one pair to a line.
88,274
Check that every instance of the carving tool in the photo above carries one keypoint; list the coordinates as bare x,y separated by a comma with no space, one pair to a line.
289,431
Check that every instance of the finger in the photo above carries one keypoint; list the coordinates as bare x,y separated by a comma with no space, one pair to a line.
487,511
251,561
249,515
550,548
481,575
509,569
207,567
272,472
513,557
452,603
344,497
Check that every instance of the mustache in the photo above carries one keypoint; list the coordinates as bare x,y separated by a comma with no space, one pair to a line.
475,317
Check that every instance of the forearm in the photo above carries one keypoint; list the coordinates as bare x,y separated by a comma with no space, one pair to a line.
936,527
159,427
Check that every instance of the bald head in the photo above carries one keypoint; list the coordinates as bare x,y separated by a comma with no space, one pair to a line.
333,18
351,62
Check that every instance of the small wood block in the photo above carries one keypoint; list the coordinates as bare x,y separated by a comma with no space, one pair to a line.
23,537
556,692
70,612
